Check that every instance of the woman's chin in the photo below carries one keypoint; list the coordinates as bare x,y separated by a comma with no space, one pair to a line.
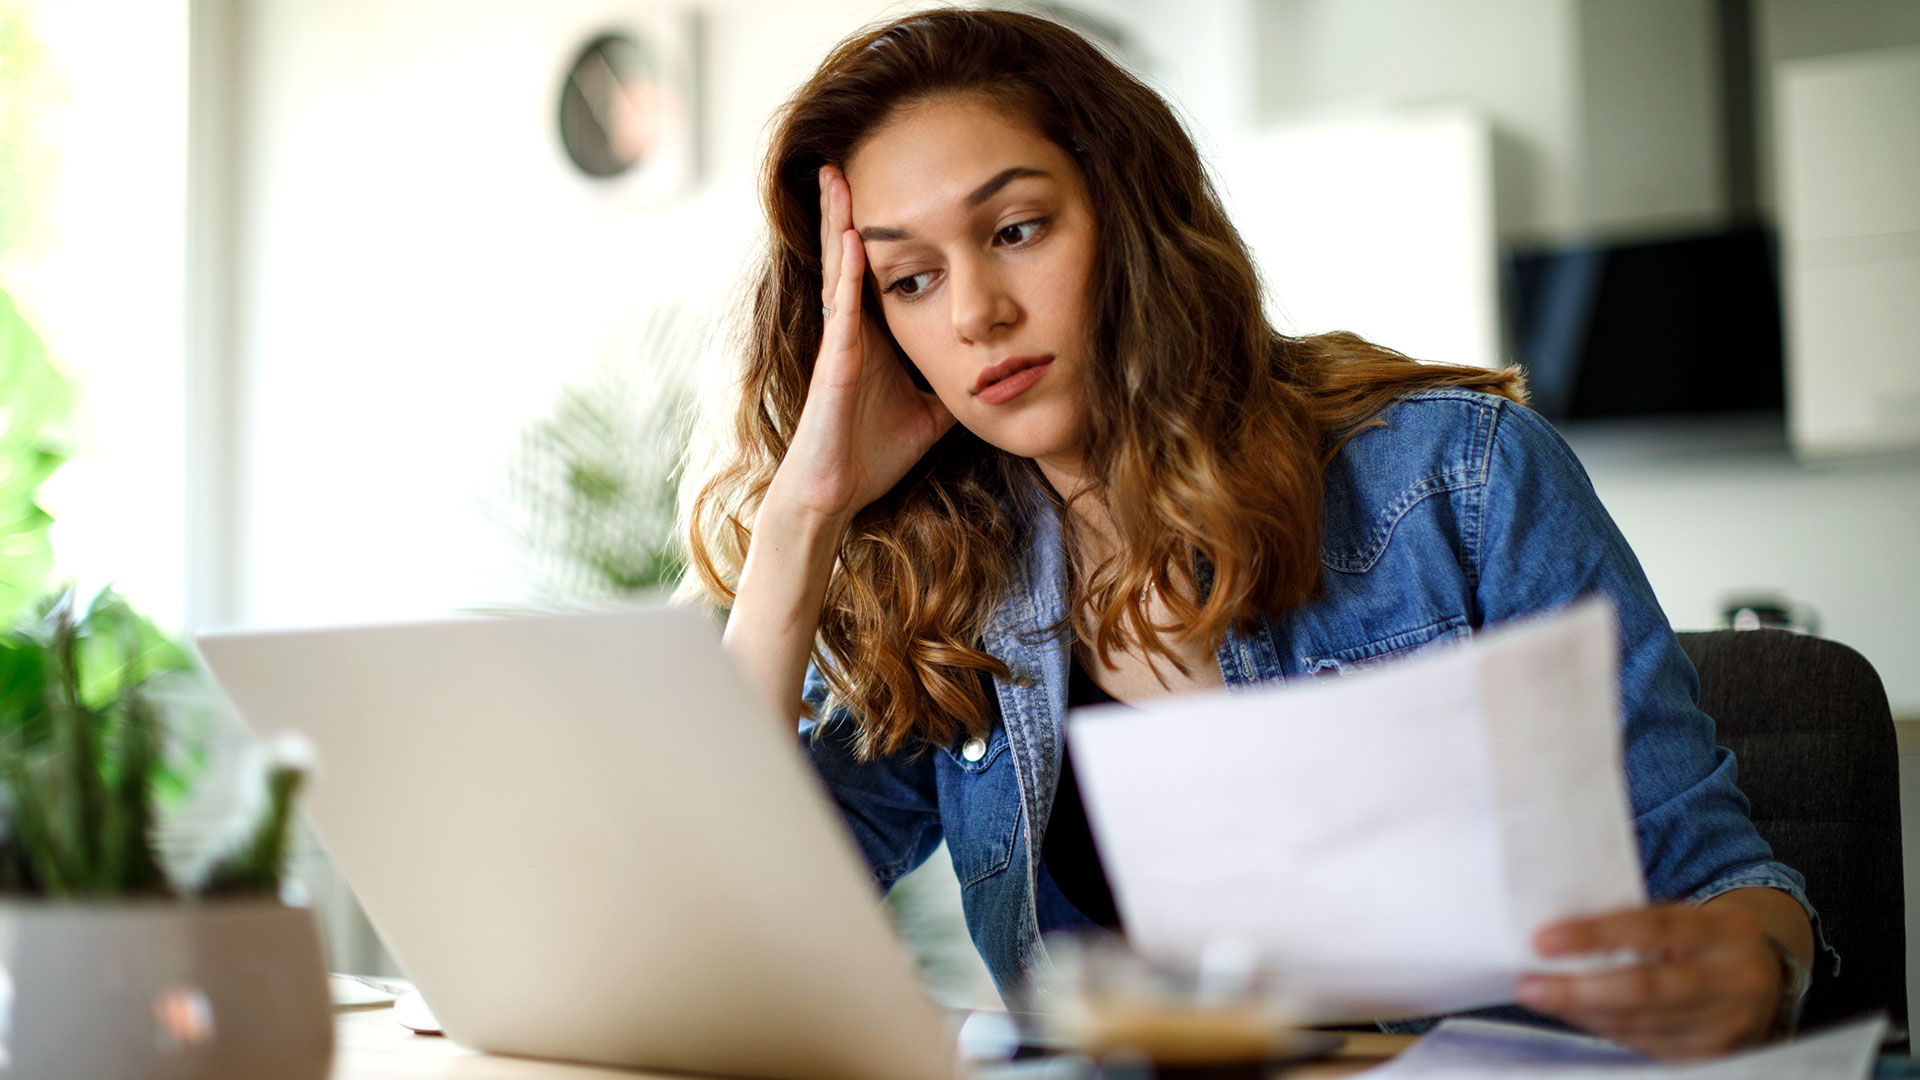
1026,446
1039,437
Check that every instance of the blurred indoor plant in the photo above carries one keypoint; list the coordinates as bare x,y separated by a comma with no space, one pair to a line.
590,491
108,966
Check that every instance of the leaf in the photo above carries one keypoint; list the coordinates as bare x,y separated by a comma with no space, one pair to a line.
132,865
120,648
24,566
40,850
33,398
34,393
78,819
23,692
22,473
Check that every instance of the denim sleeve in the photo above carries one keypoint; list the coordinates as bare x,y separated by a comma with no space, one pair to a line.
889,803
1543,541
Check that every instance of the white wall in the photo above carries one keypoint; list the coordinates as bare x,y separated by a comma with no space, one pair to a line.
1715,509
1200,56
1652,149
1607,108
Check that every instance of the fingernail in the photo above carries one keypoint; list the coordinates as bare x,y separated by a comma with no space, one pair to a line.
1530,991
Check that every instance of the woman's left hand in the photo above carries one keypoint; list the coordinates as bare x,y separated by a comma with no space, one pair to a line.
1707,983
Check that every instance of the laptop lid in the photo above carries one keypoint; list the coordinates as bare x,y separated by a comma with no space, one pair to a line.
583,837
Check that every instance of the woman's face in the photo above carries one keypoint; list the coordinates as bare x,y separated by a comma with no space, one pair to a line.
980,240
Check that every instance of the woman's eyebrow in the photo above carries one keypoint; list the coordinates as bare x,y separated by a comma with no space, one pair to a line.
1002,179
980,194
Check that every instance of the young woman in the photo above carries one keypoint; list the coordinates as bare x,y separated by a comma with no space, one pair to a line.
1014,434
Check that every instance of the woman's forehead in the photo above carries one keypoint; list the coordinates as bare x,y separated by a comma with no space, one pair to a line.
946,155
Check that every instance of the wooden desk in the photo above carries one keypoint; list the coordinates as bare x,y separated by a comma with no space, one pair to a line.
370,1046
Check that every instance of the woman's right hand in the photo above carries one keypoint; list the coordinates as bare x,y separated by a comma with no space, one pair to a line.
864,423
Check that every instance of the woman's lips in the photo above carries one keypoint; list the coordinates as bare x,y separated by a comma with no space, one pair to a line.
1010,378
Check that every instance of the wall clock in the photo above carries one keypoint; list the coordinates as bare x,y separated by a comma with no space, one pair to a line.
626,109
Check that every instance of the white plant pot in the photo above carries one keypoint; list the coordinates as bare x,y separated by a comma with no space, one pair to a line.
147,990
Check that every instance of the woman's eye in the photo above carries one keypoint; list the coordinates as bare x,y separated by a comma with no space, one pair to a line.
1020,232
910,286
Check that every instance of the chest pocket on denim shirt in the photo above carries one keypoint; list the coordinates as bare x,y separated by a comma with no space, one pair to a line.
979,805
1442,633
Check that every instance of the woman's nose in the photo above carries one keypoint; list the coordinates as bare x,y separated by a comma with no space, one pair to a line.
982,304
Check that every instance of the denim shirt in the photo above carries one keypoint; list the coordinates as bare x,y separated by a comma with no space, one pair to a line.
1462,510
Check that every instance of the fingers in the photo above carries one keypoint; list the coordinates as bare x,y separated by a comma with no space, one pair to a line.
1625,989
1668,1011
1680,1038
1706,982
843,327
836,216
1671,1030
1655,931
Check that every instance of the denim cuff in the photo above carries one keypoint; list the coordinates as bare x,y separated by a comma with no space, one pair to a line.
1774,876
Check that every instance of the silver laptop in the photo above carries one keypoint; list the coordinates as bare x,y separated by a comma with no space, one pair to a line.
583,837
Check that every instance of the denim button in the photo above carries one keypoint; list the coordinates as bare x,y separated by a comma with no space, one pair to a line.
1024,682
974,750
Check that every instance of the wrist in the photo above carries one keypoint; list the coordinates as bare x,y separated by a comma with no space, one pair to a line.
793,518
789,562
1795,980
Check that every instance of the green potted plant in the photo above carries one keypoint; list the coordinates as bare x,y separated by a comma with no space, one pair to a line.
108,965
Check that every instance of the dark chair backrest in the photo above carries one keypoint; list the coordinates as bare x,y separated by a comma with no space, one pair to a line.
1808,721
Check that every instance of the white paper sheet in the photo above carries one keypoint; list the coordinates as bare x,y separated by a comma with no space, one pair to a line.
1478,1050
1390,840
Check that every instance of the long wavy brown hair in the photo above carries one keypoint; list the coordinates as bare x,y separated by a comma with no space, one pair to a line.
1208,433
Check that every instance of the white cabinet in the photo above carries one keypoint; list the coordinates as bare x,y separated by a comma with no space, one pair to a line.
1378,222
1849,168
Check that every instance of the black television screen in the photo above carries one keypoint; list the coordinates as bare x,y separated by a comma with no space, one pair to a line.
1675,326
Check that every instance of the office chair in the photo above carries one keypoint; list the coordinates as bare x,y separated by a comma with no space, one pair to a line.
1808,721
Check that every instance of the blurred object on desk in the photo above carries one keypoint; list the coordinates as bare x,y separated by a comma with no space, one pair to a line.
1219,1017
1758,610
